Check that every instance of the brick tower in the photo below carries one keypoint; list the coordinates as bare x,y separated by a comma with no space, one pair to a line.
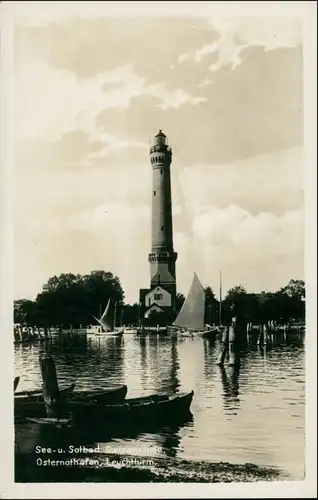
162,293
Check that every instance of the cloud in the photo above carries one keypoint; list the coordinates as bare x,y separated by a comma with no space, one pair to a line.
69,192
173,99
100,218
83,179
182,58
205,82
272,183
258,251
245,246
50,102
260,237
110,236
235,35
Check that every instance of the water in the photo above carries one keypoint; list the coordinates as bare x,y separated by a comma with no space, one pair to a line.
255,415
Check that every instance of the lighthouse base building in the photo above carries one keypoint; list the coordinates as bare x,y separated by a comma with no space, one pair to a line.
160,298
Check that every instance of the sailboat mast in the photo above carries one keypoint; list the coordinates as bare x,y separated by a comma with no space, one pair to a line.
220,309
115,312
122,316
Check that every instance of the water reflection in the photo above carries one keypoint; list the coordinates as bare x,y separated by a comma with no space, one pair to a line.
229,377
253,413
160,361
210,357
175,383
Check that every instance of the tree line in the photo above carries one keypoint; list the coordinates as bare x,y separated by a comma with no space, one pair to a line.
74,299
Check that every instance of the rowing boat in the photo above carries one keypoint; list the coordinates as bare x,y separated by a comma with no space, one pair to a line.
111,395
37,394
133,409
33,406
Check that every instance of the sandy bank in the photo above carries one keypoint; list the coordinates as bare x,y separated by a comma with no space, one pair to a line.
115,468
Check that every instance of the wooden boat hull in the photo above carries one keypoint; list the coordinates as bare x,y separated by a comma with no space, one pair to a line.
115,333
210,334
29,407
131,331
132,410
37,393
56,422
109,396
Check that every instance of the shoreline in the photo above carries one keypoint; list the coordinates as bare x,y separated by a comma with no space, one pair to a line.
132,468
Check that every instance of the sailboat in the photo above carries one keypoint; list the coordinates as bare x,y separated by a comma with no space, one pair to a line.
106,322
190,320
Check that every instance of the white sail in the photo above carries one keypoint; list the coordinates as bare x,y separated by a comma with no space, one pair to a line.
191,315
107,318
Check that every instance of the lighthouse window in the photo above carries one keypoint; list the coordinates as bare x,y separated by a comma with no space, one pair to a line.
161,228
154,193
161,170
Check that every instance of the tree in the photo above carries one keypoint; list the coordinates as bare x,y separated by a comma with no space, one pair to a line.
211,306
290,302
295,288
234,303
235,293
24,311
209,295
130,314
64,280
75,299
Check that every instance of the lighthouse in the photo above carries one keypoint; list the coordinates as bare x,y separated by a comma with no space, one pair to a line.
161,296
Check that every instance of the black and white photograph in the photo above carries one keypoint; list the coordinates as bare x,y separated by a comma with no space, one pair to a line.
157,191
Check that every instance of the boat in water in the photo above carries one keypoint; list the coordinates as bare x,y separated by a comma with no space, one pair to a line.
32,406
106,327
130,330
190,320
37,394
132,410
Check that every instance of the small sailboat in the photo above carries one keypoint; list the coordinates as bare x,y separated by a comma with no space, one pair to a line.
190,320
106,322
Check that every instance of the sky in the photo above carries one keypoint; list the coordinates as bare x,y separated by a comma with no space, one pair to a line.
89,94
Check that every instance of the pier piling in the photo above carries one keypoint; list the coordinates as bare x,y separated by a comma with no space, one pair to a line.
232,347
225,336
51,393
259,334
265,336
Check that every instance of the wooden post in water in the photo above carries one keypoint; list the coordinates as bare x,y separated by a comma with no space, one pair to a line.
221,358
265,339
232,345
249,328
259,334
270,332
51,393
45,333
